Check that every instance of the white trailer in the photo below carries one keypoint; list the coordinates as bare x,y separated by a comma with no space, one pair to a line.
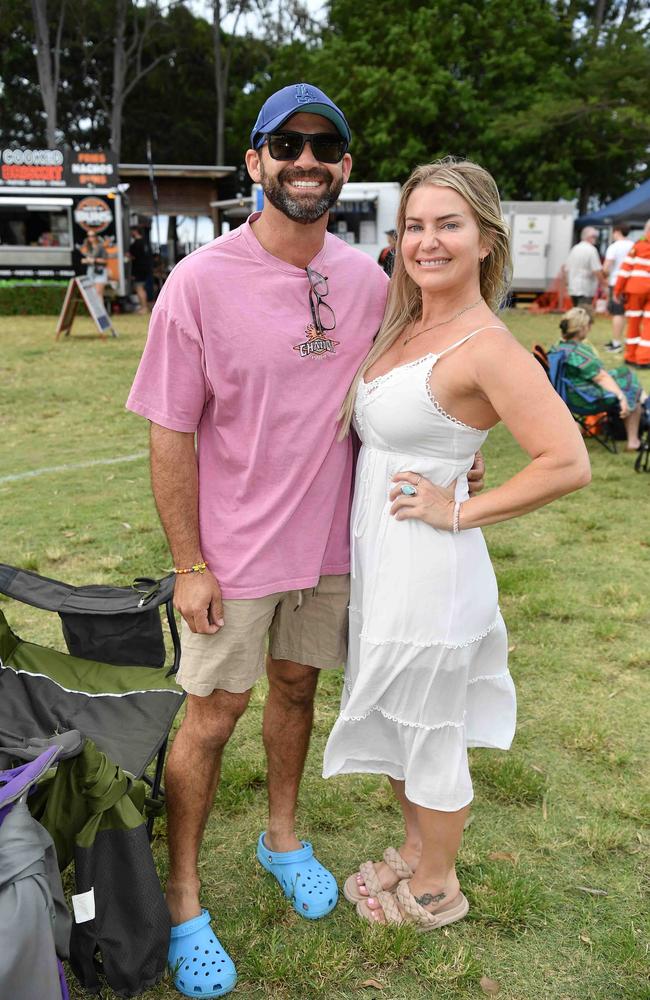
542,235
361,216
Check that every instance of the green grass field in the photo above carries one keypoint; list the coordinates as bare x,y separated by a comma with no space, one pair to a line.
553,860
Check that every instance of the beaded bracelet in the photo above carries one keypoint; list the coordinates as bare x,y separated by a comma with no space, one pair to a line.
455,521
196,568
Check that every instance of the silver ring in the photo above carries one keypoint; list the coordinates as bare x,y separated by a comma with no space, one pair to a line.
417,483
408,490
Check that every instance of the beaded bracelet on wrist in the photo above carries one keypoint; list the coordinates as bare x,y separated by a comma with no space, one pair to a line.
196,568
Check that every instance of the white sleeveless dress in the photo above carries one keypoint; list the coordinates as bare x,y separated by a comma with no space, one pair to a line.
427,671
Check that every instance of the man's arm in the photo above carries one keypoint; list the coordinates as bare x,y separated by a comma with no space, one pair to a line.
174,481
607,263
597,266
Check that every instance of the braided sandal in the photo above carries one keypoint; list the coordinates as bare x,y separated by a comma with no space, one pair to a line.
395,862
403,908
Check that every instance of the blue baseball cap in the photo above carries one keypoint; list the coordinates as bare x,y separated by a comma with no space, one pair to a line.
288,101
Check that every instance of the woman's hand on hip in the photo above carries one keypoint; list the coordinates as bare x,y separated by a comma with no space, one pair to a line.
432,504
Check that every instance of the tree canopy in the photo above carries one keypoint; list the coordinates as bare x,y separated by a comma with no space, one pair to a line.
550,95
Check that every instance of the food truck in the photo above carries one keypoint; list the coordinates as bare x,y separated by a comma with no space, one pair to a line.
50,199
362,214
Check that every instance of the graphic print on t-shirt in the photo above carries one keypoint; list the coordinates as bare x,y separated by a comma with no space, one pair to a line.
316,343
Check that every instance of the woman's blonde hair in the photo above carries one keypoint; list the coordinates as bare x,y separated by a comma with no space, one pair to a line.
404,305
574,321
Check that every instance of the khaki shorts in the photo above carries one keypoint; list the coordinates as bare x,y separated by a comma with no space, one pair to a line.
306,626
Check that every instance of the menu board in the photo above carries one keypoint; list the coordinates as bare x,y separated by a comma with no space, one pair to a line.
82,289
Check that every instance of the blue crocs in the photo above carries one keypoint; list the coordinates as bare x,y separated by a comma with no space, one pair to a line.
302,878
199,964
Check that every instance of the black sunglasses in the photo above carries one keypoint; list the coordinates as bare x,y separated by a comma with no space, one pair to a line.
326,146
322,315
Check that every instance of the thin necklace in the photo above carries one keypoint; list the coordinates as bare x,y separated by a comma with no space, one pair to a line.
444,321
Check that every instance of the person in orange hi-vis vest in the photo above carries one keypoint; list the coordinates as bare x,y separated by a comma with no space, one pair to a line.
634,283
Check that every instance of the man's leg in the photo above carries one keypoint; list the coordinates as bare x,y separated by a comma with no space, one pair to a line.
191,780
643,348
618,326
288,716
141,292
634,315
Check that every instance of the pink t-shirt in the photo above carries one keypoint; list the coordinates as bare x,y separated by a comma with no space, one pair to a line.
232,355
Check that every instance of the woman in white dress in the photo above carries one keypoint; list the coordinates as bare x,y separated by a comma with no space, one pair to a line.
427,672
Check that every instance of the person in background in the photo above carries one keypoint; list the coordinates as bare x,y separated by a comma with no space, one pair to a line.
615,254
386,257
584,369
583,268
633,285
93,255
159,273
140,268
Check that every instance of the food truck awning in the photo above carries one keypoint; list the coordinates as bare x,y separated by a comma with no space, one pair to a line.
183,189
43,202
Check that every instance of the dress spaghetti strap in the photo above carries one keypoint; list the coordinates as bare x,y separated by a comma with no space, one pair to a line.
469,337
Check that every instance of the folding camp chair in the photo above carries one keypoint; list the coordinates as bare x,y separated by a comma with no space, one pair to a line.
642,463
113,685
592,404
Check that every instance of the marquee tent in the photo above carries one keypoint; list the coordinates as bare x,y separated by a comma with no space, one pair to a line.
633,208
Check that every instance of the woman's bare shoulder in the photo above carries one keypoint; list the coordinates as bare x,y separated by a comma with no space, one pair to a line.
496,352
495,336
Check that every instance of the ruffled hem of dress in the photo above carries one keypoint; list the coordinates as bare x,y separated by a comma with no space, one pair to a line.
421,725
401,722
440,805
363,635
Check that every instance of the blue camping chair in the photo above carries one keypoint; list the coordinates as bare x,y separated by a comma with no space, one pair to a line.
554,363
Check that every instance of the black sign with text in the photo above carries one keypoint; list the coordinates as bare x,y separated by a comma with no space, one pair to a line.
57,168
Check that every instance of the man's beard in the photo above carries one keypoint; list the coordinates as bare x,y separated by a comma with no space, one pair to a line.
304,209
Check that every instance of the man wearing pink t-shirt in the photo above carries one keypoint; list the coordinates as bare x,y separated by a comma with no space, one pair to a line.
252,346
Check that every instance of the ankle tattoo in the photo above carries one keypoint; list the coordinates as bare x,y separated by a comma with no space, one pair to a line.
426,899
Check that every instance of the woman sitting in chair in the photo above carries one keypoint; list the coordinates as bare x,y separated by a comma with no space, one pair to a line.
585,370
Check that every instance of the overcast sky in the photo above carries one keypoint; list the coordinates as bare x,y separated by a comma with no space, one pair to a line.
250,22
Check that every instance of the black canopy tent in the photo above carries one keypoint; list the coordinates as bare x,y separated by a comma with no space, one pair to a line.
632,208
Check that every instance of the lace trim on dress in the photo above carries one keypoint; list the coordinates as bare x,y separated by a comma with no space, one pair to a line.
435,642
401,722
443,413
488,677
376,382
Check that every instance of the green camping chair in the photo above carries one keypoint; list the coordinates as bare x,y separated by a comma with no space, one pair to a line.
113,685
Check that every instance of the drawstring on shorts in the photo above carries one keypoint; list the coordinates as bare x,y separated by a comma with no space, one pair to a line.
298,606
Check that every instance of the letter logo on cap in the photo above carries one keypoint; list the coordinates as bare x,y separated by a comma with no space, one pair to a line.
303,94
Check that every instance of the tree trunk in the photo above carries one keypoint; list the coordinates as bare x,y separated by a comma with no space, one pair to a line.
47,62
599,14
119,76
220,80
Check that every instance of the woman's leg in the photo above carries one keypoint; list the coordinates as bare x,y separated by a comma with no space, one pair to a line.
434,884
411,847
632,422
